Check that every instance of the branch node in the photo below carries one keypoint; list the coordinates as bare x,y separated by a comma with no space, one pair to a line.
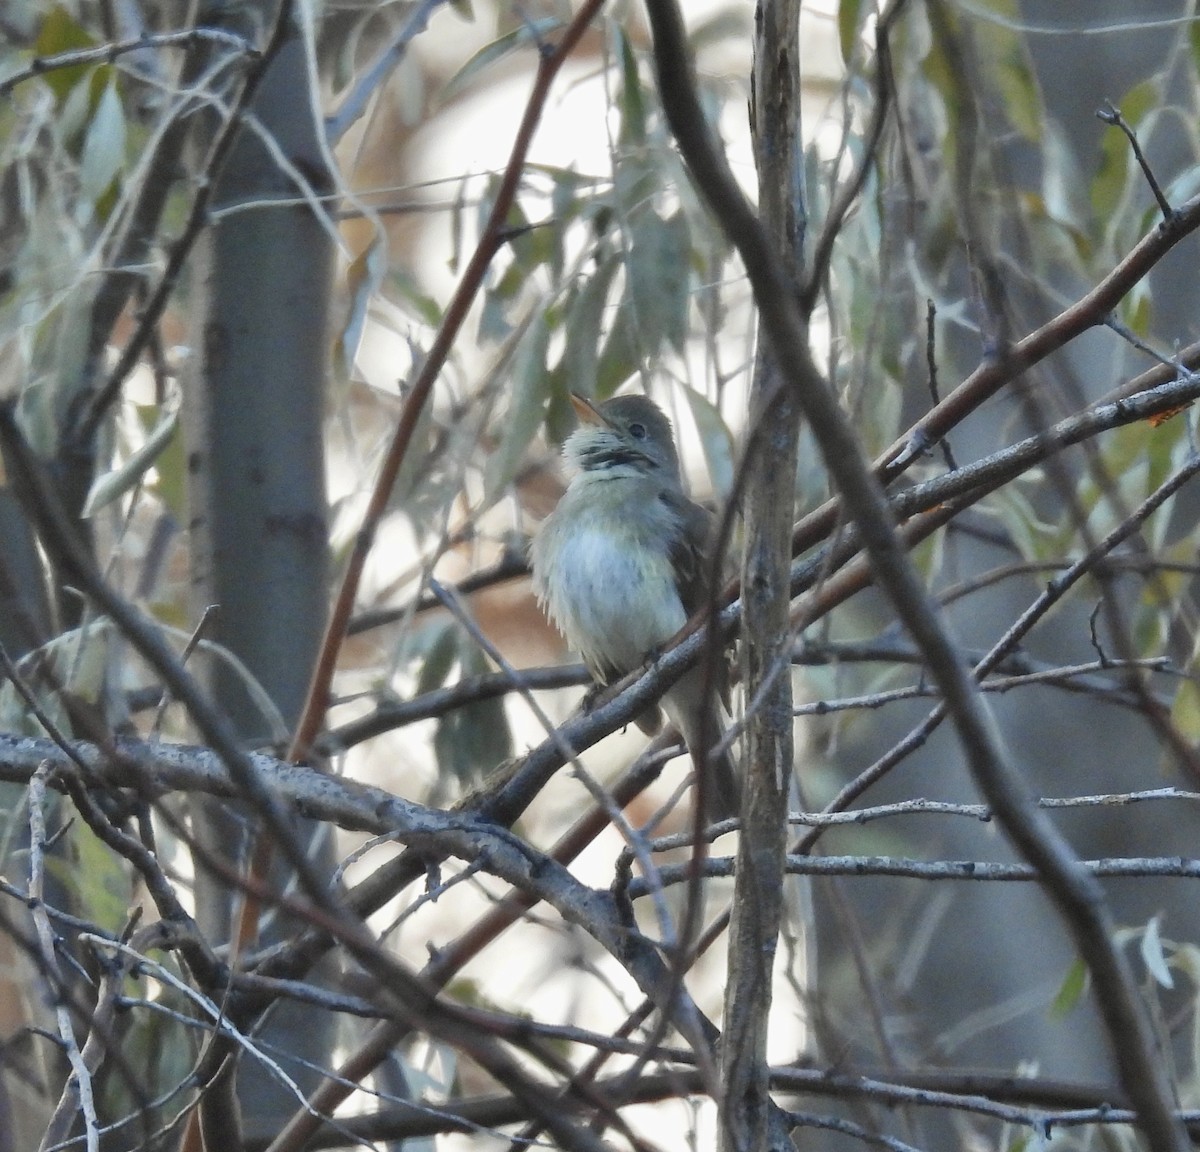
1111,115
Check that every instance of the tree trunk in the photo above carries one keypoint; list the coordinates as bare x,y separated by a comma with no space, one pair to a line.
754,928
255,403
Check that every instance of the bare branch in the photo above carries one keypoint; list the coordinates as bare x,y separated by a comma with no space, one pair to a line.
1080,900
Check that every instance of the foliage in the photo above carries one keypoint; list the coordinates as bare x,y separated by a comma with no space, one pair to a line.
1005,317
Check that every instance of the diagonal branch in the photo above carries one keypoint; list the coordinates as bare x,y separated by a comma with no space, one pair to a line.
490,242
1079,898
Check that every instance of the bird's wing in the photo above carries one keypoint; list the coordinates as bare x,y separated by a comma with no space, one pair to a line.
691,555
690,550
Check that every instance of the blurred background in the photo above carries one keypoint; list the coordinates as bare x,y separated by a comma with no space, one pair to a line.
233,459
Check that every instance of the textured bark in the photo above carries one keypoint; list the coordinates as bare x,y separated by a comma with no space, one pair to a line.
754,930
255,403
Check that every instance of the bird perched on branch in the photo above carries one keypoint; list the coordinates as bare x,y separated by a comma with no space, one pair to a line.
624,560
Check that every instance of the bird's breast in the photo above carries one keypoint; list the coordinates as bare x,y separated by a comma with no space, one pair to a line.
608,582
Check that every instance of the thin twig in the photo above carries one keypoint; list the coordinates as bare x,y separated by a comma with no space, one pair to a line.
1110,114
317,703
98,404
108,53
1079,898
77,1098
372,78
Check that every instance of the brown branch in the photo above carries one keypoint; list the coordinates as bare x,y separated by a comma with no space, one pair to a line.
1033,1102
1090,311
451,958
491,241
746,1114
1080,900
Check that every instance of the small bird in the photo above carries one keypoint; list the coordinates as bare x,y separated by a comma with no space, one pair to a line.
623,561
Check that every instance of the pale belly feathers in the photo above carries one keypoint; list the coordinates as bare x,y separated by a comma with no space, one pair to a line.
614,603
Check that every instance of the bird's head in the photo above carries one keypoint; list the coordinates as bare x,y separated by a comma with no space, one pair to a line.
624,436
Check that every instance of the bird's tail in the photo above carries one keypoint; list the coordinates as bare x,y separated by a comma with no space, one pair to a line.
700,719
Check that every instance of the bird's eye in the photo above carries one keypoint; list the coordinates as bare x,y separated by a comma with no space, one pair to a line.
637,431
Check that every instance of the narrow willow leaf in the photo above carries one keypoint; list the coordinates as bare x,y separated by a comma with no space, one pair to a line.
584,322
473,739
620,356
1185,711
715,439
657,265
363,278
419,302
440,645
631,104
170,478
526,408
113,485
60,32
1072,988
100,877
1005,52
526,33
847,24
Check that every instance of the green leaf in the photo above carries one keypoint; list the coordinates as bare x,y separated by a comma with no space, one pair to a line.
493,319
565,203
1073,987
631,104
619,358
495,324
363,277
170,481
531,245
473,739
1035,539
1005,53
101,879
1137,309
419,302
658,282
526,33
1193,30
440,644
526,408
78,662
847,24
585,322
716,440
1185,711
113,485
61,33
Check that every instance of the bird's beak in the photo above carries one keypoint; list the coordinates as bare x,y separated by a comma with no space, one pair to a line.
587,412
